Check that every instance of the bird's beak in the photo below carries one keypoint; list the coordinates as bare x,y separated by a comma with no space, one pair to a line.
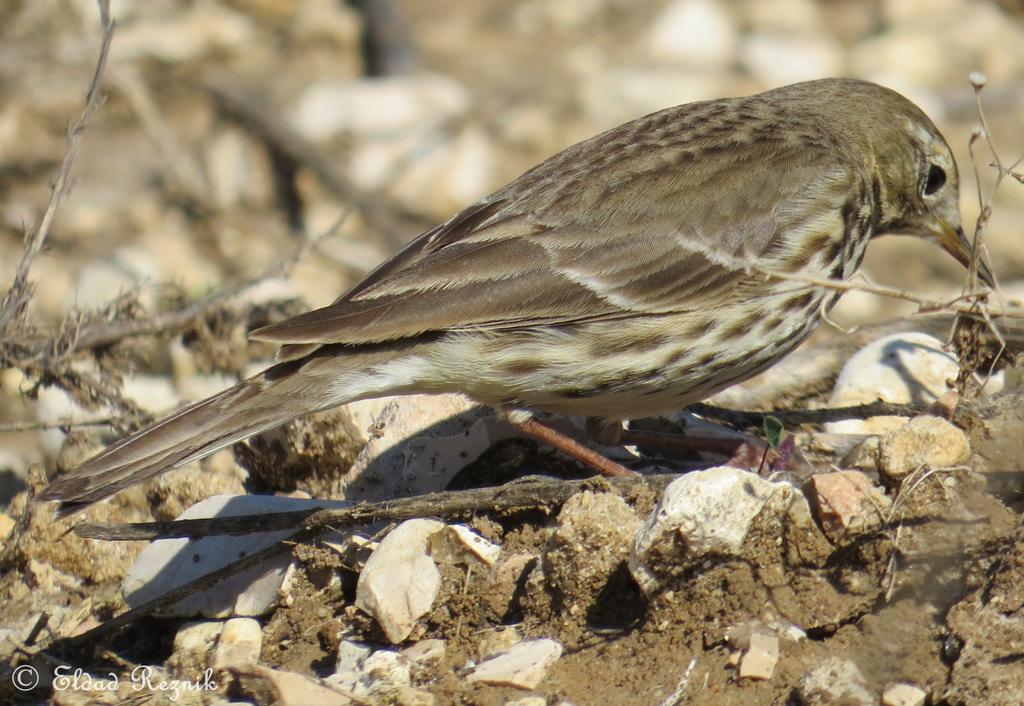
953,241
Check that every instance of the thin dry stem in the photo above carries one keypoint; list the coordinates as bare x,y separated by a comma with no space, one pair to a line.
20,293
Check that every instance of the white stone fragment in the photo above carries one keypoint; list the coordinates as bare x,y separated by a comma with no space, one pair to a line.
761,657
400,580
523,666
460,544
904,695
168,563
239,645
711,509
900,368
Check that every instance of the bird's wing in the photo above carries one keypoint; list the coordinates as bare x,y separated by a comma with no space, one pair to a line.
657,231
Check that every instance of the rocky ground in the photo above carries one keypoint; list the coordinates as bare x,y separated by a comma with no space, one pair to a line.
882,563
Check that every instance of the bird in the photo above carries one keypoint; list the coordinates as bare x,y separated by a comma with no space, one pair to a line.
630,275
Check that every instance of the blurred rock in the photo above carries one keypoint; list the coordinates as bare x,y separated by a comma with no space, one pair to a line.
919,58
621,93
700,33
238,171
381,107
435,174
834,681
399,582
902,368
180,36
787,16
523,666
125,270
776,59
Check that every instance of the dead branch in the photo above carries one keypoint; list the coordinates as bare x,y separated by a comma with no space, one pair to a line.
791,417
526,494
20,293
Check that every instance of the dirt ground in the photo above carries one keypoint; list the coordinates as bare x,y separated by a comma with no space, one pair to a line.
234,132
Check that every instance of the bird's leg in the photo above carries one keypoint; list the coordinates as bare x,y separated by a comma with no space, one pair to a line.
570,447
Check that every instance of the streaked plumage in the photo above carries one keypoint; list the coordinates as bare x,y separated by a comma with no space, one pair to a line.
623,277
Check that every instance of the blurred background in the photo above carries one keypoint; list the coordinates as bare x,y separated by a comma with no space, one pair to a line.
235,129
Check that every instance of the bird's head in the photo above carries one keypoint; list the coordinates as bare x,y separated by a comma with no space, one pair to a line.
921,183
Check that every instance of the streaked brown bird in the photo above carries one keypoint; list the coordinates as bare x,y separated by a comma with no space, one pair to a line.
632,274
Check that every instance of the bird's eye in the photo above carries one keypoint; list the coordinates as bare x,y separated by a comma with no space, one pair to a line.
936,178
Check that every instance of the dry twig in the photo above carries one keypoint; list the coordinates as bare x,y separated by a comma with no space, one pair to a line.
18,296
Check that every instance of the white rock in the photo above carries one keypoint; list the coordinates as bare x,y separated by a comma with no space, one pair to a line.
712,510
239,645
777,59
904,695
835,681
904,367
378,107
400,580
523,666
697,32
460,544
168,563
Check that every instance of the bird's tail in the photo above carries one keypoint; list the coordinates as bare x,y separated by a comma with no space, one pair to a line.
267,400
